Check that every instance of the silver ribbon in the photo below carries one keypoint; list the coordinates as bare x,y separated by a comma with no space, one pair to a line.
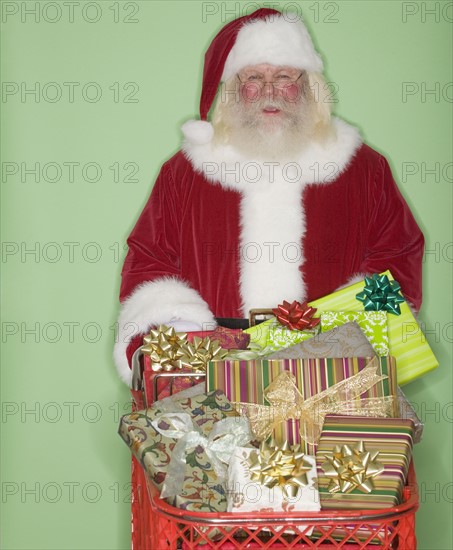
226,435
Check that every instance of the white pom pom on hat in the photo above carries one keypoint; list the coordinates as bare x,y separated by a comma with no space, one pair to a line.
199,132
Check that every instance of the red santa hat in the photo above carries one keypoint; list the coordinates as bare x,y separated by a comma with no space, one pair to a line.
265,36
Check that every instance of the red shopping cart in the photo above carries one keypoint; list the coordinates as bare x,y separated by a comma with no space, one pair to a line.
156,525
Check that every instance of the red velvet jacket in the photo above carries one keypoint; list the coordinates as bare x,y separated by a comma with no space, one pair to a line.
212,242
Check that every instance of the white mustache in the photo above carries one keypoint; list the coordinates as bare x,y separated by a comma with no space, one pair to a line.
280,104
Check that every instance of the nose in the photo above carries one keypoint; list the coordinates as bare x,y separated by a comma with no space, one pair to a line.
268,90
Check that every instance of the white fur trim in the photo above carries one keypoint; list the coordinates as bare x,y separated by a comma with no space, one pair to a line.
181,325
198,131
318,163
154,303
272,216
275,40
272,226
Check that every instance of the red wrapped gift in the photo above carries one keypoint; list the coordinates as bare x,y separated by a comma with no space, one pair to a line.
169,355
228,338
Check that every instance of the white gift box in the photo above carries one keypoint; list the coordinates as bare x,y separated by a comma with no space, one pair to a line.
245,495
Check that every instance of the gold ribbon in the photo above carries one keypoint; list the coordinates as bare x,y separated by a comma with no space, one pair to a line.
282,466
286,402
352,468
169,350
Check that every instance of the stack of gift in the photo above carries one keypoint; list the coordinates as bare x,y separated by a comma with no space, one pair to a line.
376,305
341,357
310,417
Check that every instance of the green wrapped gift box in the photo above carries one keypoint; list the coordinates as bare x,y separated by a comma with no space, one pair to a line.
407,342
272,336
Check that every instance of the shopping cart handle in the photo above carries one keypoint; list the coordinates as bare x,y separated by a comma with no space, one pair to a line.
137,370
253,314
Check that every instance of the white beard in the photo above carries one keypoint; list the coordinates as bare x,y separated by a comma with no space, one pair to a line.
268,137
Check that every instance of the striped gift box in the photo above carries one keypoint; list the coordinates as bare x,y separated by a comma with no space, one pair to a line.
245,381
392,437
407,342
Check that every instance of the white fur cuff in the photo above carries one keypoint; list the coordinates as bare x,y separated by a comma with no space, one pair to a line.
154,303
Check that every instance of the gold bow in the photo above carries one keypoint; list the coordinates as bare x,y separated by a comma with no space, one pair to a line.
284,466
196,355
286,402
169,350
163,346
352,468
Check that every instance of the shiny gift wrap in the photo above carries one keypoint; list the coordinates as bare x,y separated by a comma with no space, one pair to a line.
407,411
372,323
347,340
247,382
228,338
407,343
184,446
388,441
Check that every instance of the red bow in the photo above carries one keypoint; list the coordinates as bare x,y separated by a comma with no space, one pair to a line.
296,316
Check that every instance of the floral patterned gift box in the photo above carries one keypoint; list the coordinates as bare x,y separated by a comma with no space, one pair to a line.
184,445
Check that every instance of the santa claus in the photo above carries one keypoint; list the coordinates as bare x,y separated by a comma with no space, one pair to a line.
274,199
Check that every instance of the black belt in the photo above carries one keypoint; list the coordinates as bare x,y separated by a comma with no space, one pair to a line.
232,322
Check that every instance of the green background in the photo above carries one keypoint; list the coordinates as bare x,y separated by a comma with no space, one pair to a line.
65,472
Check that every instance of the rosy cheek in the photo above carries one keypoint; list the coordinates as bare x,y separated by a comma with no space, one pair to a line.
292,92
250,93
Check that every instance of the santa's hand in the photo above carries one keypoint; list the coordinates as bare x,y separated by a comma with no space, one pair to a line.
180,325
